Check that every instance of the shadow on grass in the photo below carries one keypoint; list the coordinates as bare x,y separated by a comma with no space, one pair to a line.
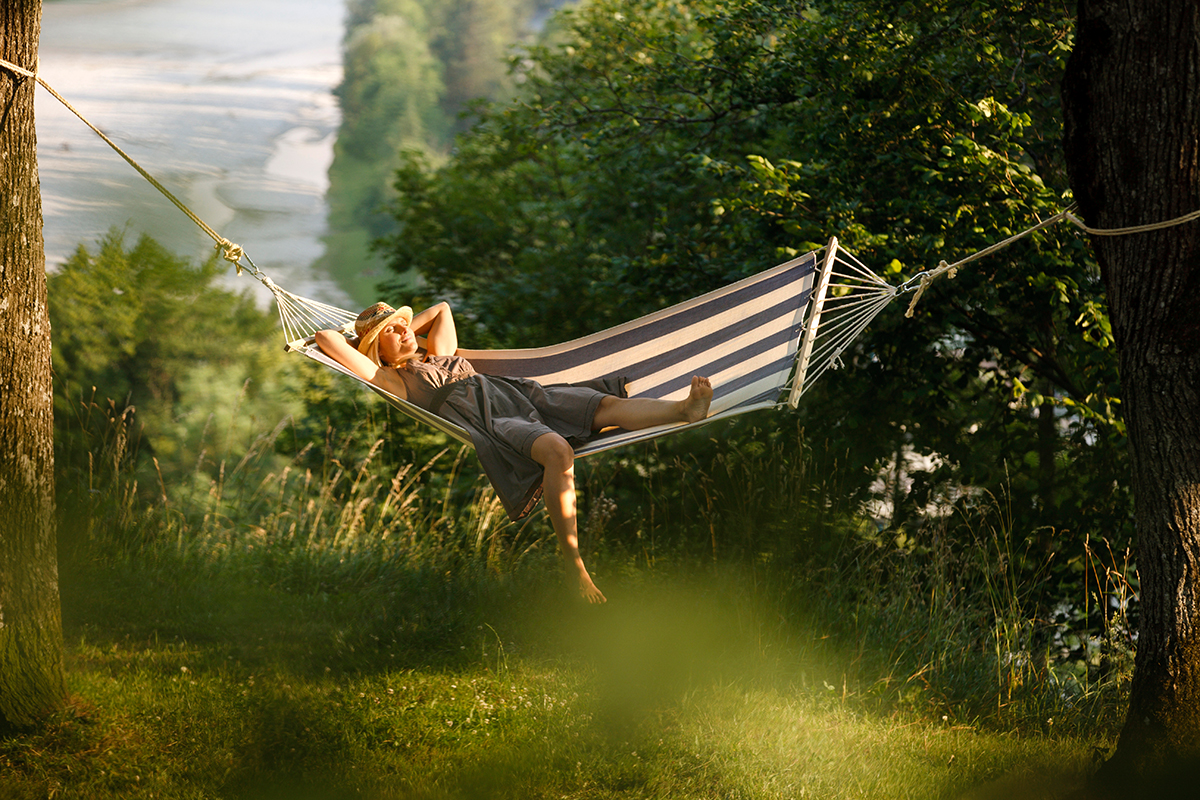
418,617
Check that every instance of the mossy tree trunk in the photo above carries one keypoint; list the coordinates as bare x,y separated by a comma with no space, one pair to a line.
1131,98
31,672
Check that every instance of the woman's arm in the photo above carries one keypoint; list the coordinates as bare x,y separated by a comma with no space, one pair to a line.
434,328
334,345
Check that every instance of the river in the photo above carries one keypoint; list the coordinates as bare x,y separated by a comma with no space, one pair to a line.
228,103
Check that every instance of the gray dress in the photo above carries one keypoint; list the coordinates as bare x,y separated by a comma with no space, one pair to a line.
504,417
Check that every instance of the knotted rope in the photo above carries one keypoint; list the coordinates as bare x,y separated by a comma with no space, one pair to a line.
233,253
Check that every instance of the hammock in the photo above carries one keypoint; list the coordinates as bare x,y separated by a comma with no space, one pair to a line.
761,340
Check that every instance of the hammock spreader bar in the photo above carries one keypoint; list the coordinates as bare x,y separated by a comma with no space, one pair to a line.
756,339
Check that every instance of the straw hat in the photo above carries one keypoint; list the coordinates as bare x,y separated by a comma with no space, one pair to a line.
371,323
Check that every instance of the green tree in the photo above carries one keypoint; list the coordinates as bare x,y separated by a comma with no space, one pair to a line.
146,329
659,149
390,96
413,68
473,44
197,374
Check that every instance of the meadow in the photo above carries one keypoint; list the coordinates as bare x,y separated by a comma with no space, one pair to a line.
374,630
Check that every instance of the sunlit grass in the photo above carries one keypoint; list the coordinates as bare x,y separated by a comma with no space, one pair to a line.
181,720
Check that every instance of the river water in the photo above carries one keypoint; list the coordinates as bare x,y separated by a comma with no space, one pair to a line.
228,103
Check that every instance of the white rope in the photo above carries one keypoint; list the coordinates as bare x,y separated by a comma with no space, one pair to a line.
855,296
1153,226
859,281
858,270
848,302
300,317
840,333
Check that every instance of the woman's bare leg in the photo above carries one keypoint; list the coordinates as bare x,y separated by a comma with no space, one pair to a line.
558,492
639,412
557,458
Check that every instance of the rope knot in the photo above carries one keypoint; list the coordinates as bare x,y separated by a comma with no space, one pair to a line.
925,281
928,278
232,253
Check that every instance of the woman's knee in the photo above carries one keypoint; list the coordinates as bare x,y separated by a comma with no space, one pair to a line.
552,451
603,416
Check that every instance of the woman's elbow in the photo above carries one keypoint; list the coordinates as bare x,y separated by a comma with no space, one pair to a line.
326,339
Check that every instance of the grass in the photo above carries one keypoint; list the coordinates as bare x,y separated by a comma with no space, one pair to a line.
343,628
214,687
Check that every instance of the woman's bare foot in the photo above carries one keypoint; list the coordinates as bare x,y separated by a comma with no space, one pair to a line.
588,590
695,407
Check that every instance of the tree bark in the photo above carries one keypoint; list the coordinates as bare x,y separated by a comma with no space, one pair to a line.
1131,99
31,672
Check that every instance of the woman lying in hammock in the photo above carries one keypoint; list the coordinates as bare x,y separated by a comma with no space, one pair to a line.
524,433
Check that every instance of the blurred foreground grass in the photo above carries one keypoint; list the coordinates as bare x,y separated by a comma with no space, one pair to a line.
199,683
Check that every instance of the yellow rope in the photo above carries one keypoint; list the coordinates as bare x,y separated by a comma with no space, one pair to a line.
1153,226
232,253
929,276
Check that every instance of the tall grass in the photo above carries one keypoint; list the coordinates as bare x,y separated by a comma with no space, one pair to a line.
946,618
396,547
348,514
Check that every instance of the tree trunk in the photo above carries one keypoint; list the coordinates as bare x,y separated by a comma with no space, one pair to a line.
1131,99
31,673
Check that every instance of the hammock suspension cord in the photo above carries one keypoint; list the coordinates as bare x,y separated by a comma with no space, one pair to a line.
921,281
918,283
300,317
231,252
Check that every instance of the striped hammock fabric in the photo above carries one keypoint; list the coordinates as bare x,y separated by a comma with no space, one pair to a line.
760,341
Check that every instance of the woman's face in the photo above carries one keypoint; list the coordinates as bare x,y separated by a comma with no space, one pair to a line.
397,343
